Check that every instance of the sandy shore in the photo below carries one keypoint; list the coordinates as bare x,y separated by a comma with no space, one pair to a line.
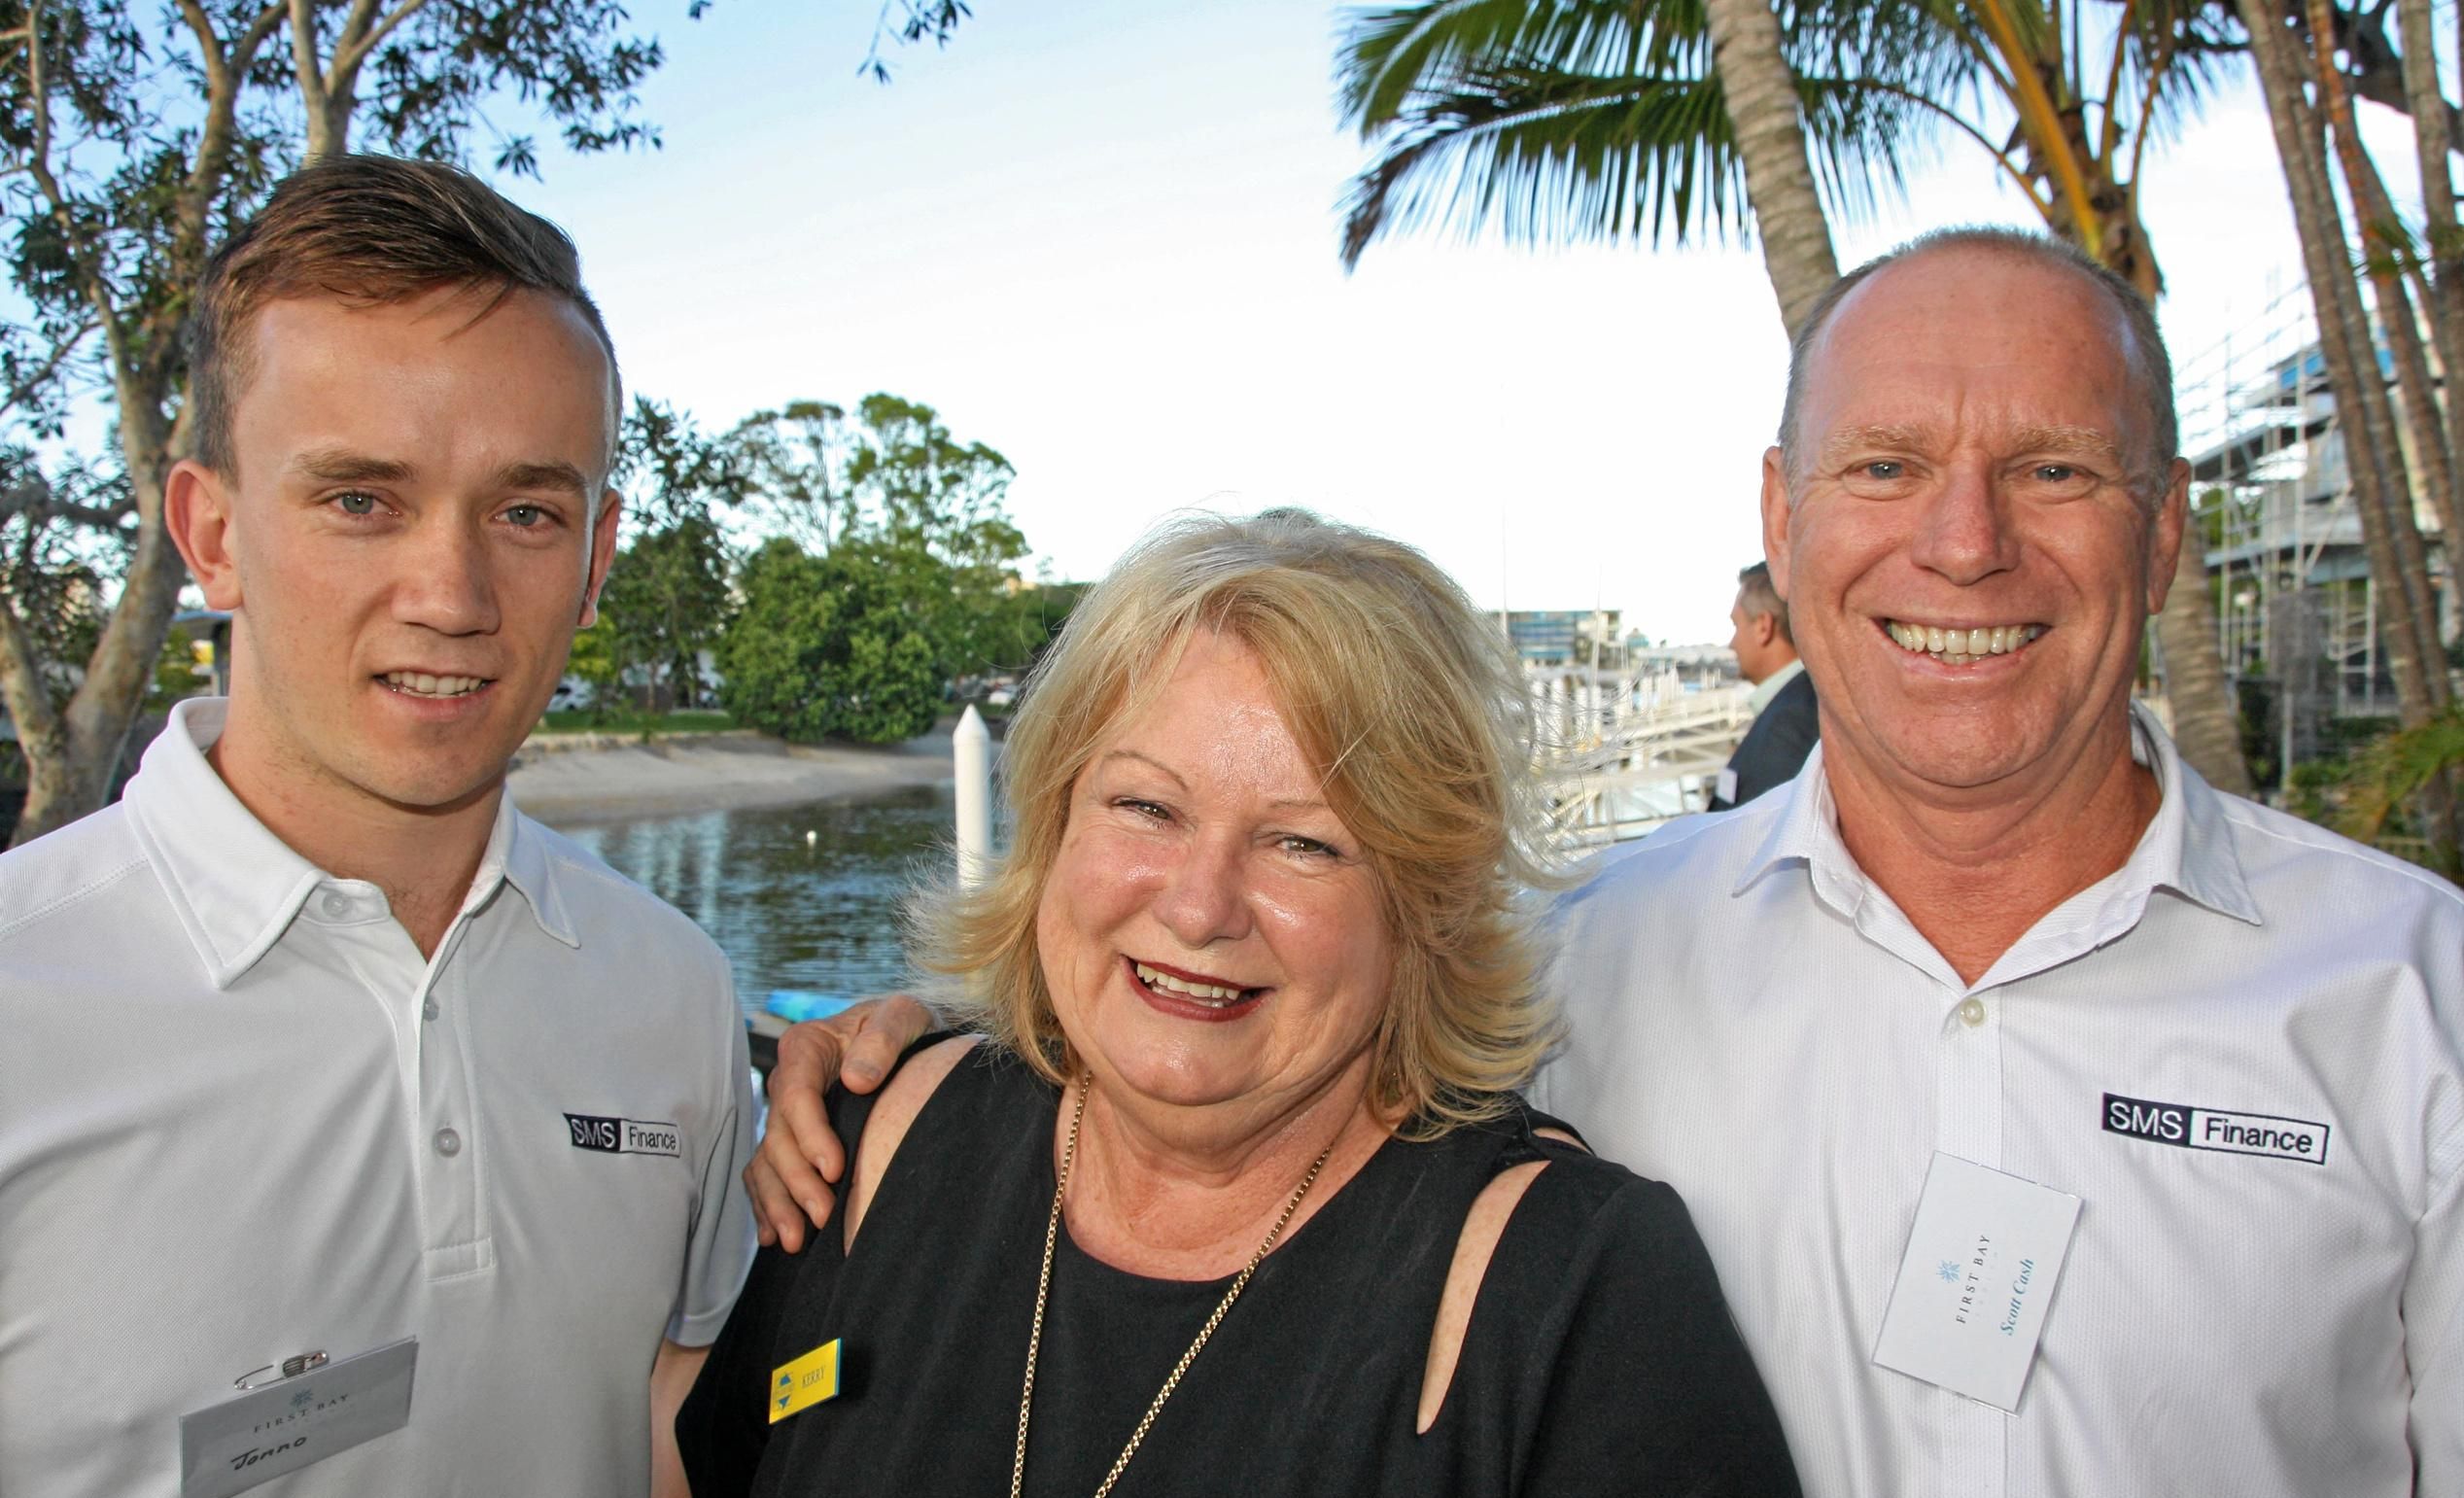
672,777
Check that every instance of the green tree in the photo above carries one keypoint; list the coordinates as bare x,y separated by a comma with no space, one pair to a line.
895,480
135,140
667,599
834,645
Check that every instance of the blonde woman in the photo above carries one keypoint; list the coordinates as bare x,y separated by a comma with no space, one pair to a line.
1226,1188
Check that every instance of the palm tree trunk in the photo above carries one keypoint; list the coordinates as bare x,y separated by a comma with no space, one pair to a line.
1761,95
2379,488
2206,727
2443,247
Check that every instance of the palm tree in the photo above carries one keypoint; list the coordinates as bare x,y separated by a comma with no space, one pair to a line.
2288,64
1636,118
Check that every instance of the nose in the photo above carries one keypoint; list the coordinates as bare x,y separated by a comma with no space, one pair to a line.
1964,534
1206,898
446,584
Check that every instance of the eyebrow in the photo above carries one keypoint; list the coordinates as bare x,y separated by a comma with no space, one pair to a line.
1839,444
2065,439
339,465
1146,760
2053,438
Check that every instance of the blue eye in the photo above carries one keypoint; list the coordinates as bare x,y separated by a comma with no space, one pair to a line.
526,515
356,503
1885,468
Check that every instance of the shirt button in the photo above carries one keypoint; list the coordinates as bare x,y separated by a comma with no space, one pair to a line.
448,1143
338,905
427,1010
1972,1012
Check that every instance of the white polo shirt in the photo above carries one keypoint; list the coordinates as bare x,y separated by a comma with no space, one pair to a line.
242,1119
1754,1021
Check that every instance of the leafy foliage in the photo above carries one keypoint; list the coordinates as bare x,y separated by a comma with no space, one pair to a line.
833,645
667,601
1558,120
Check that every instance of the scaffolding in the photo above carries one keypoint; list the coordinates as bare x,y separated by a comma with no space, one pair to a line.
2290,577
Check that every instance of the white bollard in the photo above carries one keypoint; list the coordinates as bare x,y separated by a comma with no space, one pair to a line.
971,758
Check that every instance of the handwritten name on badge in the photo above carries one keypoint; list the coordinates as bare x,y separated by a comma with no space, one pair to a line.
296,1420
805,1382
1977,1280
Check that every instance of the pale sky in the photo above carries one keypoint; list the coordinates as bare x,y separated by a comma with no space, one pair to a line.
1101,238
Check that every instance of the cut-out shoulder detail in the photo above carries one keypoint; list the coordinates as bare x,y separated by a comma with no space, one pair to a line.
901,1101
1483,1226
1562,1137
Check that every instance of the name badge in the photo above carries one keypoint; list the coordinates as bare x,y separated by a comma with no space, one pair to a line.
1972,1293
805,1382
288,1424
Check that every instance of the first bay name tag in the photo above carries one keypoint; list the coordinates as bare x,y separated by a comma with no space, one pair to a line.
805,1382
280,1427
1973,1289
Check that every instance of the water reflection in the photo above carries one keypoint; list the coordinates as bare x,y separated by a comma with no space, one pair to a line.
788,911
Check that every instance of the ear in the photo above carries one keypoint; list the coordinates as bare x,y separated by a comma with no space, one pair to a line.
196,509
602,552
1766,628
2168,530
1774,521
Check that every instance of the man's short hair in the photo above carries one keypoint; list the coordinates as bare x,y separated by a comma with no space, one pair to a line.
1758,598
2150,363
368,231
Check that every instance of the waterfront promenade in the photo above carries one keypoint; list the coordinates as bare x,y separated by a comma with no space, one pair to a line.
565,784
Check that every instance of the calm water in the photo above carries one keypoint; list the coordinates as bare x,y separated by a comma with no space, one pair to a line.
792,914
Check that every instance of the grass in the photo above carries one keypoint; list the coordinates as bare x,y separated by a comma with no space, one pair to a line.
633,720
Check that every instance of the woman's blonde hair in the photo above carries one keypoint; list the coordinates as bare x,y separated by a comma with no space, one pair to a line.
1414,711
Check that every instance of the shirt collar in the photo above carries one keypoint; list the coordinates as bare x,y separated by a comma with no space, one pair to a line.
2187,849
236,888
1769,686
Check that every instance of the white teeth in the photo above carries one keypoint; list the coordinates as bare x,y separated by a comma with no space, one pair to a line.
1205,993
420,683
1959,647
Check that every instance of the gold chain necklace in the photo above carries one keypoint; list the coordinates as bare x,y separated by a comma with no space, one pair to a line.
1044,1284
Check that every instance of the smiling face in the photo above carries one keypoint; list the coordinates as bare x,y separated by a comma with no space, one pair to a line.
1211,933
405,539
1966,566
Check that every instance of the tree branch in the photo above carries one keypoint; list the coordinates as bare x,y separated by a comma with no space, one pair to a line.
2001,158
22,663
377,37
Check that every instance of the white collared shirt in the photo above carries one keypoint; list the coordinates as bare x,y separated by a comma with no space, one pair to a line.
1755,1022
241,1118
1770,686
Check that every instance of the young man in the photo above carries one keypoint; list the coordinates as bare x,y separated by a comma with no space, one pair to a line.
1786,715
320,1060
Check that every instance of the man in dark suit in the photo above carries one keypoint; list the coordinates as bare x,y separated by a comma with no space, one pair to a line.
1786,717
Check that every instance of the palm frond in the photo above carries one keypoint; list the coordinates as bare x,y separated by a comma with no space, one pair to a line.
1549,158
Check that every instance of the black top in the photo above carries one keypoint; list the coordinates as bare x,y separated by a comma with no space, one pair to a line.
1775,746
1600,1357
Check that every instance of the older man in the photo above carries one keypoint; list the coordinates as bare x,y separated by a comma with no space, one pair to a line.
2003,1061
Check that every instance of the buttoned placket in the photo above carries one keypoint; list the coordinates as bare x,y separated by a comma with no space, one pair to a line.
1968,1123
423,998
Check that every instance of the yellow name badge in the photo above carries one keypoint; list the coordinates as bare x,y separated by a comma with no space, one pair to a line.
807,1382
